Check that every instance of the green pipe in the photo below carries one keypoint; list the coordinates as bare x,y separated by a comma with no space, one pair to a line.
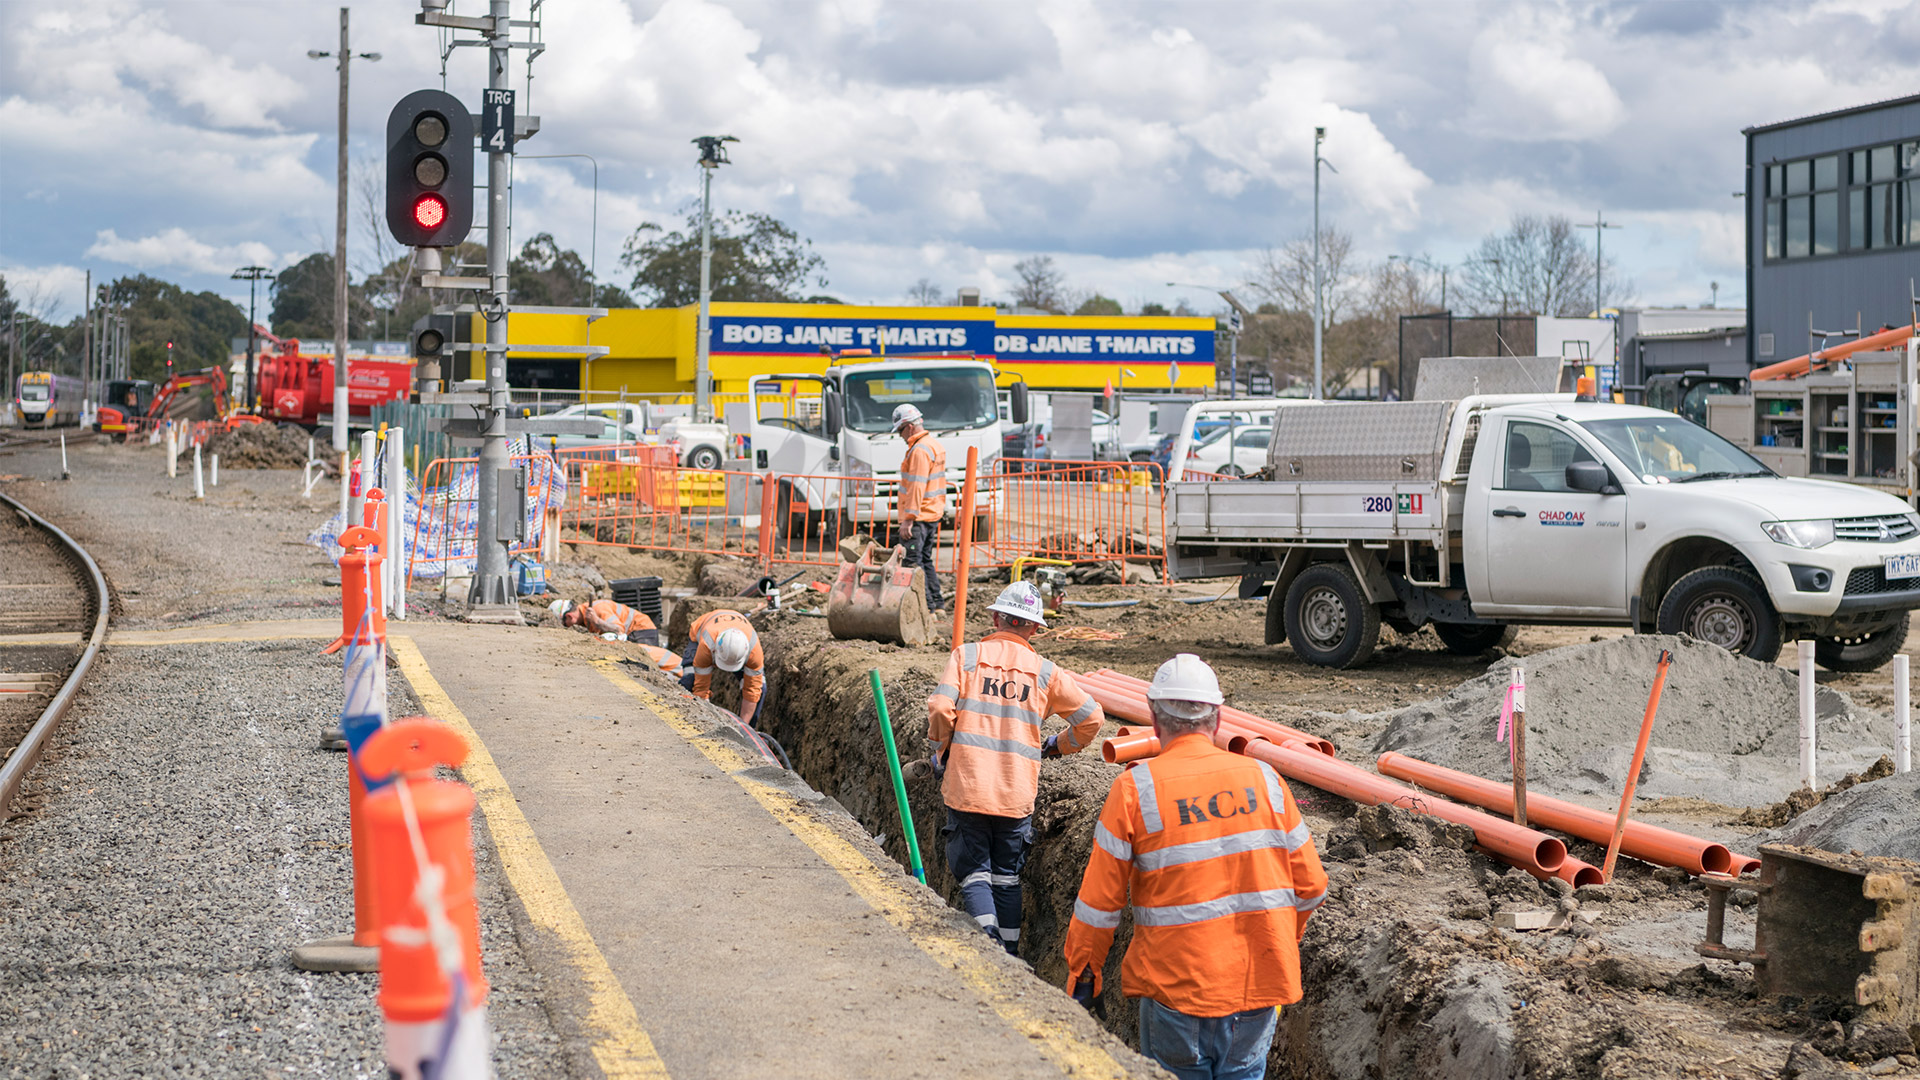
899,782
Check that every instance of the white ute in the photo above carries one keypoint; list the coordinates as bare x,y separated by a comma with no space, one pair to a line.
1503,510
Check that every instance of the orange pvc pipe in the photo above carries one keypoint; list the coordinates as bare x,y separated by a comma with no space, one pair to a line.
1648,843
1132,748
1574,872
1639,757
1800,365
1232,720
1526,848
963,554
1743,865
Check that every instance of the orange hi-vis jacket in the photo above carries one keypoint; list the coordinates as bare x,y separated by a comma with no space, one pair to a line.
1223,876
985,717
923,479
607,617
707,630
665,659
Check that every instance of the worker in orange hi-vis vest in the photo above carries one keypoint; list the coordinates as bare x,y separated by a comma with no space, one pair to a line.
725,640
984,720
607,617
923,496
1222,876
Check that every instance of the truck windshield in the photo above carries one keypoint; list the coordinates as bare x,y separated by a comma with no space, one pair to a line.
949,398
1673,451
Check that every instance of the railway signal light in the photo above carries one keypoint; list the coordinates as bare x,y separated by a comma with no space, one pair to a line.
429,170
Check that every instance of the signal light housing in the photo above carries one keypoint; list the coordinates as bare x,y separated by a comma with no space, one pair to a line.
430,170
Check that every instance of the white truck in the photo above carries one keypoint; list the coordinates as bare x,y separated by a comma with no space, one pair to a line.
827,439
1494,511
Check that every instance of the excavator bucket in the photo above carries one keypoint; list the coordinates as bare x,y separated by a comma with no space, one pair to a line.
880,600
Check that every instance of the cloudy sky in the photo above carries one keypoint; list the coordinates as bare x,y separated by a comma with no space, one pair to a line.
1137,143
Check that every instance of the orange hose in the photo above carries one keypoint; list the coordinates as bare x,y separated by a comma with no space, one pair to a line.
1648,843
1800,365
1526,848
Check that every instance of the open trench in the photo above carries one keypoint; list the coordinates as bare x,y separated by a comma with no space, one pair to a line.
1404,975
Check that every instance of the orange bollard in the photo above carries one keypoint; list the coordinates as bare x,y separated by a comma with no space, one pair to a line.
359,586
416,991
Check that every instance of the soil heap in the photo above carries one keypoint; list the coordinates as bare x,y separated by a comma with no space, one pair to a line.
1875,818
260,446
1727,730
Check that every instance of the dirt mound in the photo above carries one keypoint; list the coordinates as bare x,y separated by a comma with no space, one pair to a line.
1874,818
260,446
1805,799
1727,730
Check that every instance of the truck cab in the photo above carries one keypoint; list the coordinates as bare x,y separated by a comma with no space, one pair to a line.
828,438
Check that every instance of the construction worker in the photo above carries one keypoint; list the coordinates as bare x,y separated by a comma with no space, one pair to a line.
607,617
1222,876
923,495
984,720
726,640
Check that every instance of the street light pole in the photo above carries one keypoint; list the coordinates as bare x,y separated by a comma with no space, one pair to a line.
713,154
252,275
345,56
1599,226
1319,301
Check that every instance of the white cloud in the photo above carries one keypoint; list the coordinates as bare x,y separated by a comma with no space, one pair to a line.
176,249
1529,86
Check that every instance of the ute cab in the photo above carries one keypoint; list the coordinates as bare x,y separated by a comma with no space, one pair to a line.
827,439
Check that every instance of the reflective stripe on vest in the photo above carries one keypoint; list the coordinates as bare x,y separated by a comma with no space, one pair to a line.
1046,675
1237,904
969,656
946,690
1111,844
1000,746
1232,844
1094,917
1004,710
1143,786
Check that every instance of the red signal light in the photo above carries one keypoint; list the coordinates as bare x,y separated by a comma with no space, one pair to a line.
430,211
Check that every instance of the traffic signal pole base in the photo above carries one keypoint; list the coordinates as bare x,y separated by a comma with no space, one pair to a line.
495,615
491,600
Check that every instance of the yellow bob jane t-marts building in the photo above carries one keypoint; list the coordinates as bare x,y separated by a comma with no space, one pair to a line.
652,350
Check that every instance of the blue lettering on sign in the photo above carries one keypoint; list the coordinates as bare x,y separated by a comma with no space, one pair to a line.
753,335
1104,346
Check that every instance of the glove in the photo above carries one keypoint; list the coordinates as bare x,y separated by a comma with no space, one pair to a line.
1050,748
609,636
939,766
1083,993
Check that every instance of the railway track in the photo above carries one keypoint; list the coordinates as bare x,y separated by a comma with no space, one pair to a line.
53,619
14,439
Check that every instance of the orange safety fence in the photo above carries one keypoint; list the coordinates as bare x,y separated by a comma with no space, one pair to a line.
804,517
446,522
1083,511
647,500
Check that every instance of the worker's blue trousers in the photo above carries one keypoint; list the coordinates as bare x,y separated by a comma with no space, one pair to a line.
986,853
1232,1047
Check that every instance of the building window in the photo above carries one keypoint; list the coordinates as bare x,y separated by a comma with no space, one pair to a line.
1799,227
1859,200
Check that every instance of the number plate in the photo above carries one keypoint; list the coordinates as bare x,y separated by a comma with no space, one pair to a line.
1901,566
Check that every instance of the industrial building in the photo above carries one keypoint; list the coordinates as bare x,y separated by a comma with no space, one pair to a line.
1833,227
652,350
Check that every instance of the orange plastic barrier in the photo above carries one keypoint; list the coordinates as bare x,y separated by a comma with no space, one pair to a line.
413,989
359,588
1086,511
647,501
1648,843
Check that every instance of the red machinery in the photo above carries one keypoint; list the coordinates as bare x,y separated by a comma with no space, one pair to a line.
300,388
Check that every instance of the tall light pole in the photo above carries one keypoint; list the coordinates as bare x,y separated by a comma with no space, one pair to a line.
1319,297
713,154
1431,265
252,275
1599,227
1233,331
345,56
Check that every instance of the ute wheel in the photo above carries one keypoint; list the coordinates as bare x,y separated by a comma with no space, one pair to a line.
704,458
1472,639
1726,607
1861,652
1231,470
1329,621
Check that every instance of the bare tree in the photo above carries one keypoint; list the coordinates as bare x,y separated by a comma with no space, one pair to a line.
1285,277
925,293
1541,265
1042,285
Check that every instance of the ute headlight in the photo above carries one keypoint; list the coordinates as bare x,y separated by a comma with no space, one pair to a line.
1800,534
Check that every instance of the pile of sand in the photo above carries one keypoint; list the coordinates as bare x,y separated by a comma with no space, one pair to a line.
1875,818
1727,729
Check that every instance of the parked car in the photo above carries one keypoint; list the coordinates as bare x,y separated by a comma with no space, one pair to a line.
1203,427
1232,451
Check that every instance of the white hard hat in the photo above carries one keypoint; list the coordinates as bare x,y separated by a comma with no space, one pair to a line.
1186,677
560,608
1022,601
904,415
730,651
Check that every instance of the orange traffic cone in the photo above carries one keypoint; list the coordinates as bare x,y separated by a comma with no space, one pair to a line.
422,843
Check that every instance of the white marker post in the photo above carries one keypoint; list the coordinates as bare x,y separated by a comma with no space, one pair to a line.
1807,777
1902,717
396,560
64,474
213,471
199,484
173,451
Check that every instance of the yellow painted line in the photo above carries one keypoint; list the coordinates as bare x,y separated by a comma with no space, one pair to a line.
59,638
621,1046
884,890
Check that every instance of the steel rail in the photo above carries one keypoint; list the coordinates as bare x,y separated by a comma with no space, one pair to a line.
25,755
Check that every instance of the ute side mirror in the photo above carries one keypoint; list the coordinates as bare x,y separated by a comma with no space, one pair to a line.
833,414
1591,476
1018,403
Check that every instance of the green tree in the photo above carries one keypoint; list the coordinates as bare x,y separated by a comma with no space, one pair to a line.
200,325
546,275
303,299
1154,309
756,257
1098,305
